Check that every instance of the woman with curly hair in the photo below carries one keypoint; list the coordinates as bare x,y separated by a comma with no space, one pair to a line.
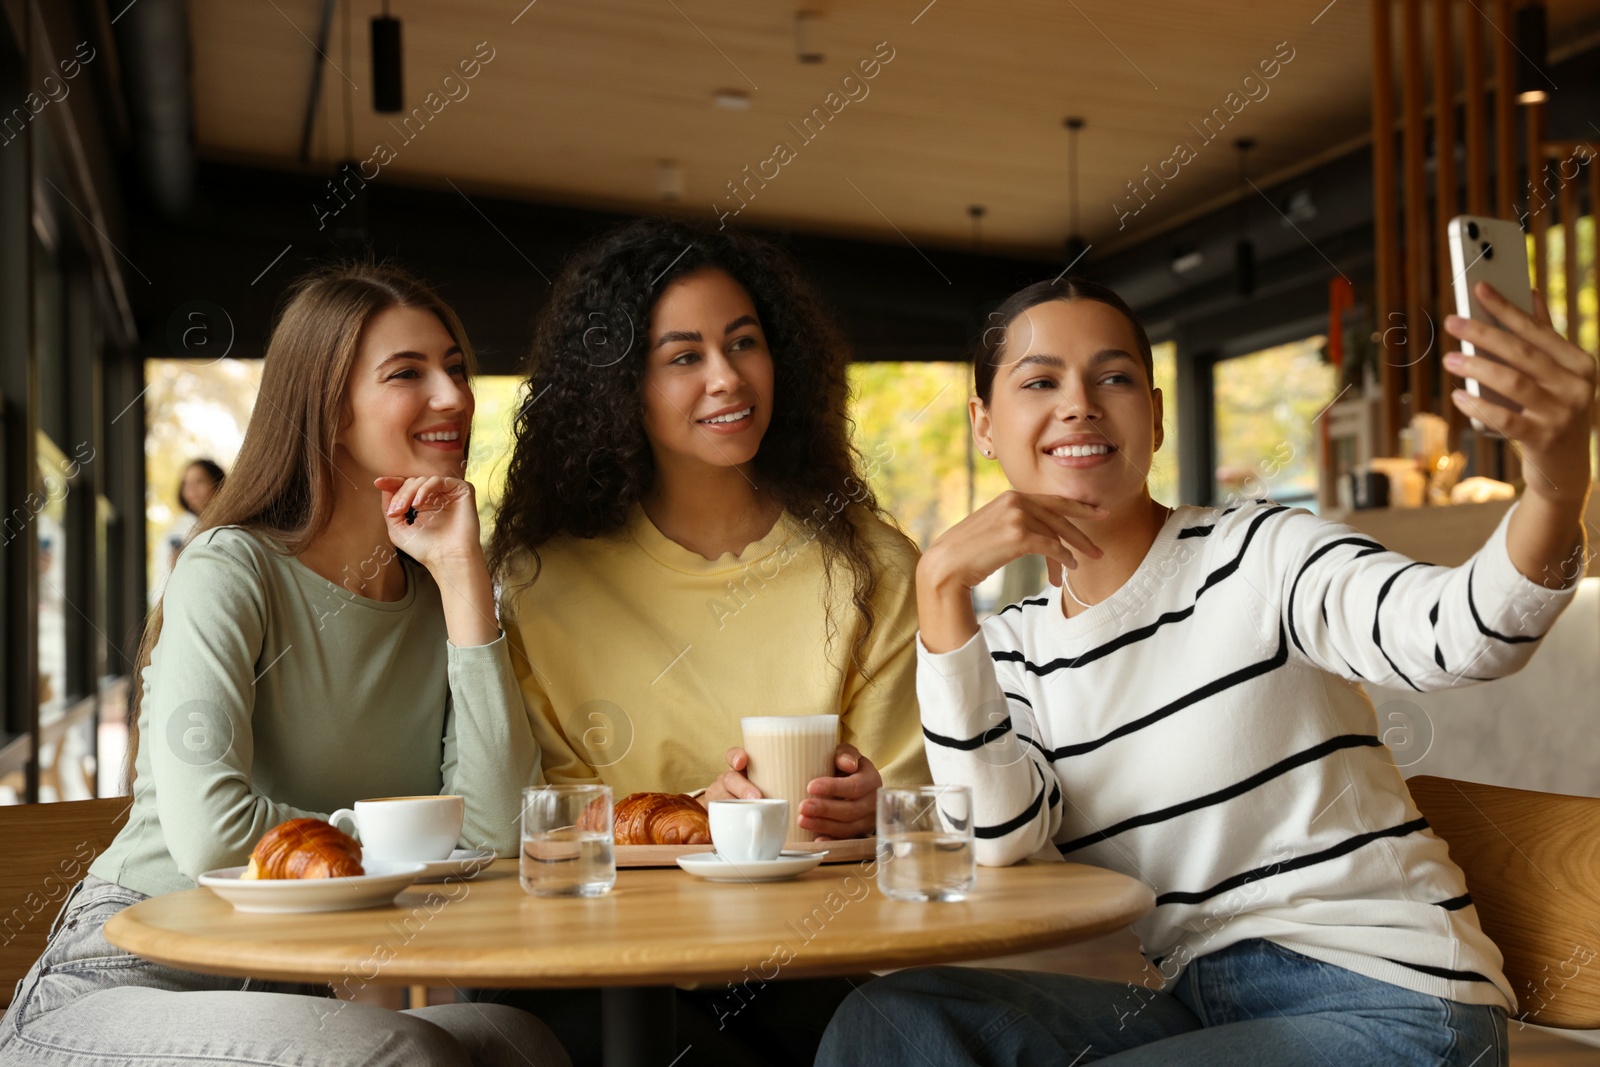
685,536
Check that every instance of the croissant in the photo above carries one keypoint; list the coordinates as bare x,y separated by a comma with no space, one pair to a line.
305,848
661,819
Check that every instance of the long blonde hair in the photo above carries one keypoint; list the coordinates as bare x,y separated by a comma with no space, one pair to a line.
282,484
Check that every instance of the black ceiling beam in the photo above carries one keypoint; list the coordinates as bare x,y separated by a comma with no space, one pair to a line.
250,231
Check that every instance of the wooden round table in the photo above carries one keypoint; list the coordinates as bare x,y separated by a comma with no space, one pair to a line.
656,929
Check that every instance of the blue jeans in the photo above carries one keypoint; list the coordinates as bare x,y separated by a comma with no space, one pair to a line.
1254,1002
87,1003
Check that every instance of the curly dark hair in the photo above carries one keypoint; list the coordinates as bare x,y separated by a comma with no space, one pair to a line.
581,459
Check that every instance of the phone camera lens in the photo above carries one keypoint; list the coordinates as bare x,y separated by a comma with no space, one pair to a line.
1472,230
1488,250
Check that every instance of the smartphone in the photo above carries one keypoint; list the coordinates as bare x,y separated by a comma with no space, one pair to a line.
1494,251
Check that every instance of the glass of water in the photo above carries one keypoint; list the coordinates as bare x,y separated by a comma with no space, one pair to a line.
925,847
567,841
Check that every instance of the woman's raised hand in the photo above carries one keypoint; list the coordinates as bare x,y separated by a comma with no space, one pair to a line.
444,538
445,530
1012,525
1552,379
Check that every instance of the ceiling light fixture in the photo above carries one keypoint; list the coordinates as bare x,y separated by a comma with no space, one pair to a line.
387,75
806,46
1076,246
669,180
1532,34
1244,253
1186,257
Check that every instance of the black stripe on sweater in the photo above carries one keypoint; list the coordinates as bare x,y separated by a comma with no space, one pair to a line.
1433,621
1440,972
1027,815
1294,589
1343,848
1377,631
1482,629
970,744
1196,531
1138,634
1237,789
1456,903
1019,605
1194,696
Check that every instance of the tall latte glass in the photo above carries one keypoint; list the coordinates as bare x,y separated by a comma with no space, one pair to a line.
786,753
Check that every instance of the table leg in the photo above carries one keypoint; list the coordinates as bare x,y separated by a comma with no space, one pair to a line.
639,1026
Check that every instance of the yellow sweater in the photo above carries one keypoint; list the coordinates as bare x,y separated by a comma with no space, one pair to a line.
637,657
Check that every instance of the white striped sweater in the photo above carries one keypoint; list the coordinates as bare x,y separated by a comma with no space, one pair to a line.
1202,730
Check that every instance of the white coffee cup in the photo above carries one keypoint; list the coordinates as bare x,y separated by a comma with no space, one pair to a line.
406,829
748,830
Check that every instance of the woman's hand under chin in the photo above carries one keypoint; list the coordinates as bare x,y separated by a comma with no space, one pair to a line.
444,532
1010,526
443,537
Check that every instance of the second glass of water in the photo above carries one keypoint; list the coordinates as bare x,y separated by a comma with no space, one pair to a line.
567,848
925,847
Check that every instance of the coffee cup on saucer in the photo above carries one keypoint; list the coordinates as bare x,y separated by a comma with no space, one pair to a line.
406,829
749,830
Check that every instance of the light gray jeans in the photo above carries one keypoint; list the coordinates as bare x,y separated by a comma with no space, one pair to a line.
87,1002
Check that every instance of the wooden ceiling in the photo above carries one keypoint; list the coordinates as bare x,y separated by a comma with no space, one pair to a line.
583,100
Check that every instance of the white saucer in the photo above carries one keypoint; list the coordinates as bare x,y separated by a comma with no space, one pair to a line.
463,863
285,896
715,868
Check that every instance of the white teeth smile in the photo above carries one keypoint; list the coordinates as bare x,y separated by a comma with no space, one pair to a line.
443,435
1080,450
732,416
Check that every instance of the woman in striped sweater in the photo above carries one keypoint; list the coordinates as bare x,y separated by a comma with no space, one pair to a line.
1183,706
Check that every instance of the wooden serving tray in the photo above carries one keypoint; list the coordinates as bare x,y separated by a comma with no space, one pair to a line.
851,851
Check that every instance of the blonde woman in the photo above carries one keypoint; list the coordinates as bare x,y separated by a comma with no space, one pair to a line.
312,647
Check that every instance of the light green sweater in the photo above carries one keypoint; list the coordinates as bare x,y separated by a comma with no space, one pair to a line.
274,693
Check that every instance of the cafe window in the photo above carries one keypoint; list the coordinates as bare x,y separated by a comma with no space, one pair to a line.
912,431
201,408
194,409
1266,406
496,398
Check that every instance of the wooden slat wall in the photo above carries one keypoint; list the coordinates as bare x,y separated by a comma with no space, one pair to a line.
1539,207
1414,151
1505,115
1477,115
1485,451
1385,198
1447,203
1409,236
1567,203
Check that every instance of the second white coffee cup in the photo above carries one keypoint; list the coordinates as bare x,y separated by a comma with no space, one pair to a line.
406,829
749,830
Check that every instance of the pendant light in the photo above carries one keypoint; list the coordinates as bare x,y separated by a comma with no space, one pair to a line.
1532,35
387,82
1244,252
1076,246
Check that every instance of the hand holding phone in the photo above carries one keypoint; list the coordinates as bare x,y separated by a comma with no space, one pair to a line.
1493,251
1533,386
